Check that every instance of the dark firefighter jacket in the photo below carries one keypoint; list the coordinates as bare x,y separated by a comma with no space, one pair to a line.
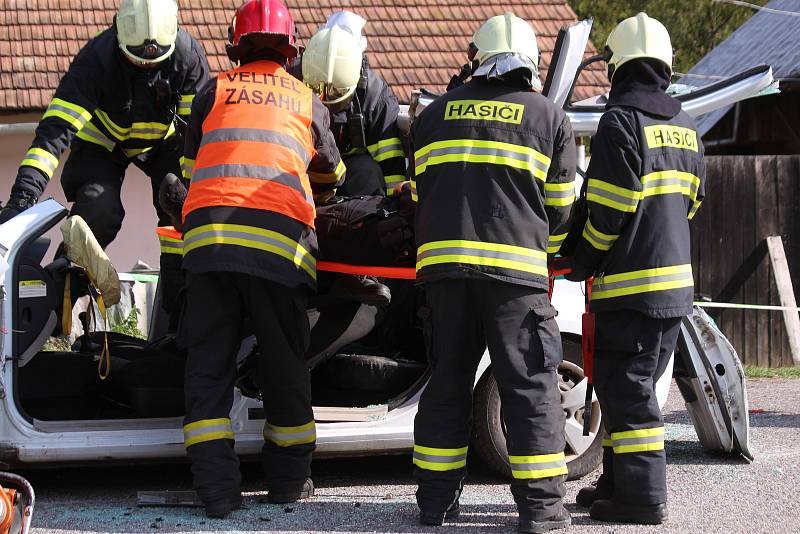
276,133
645,182
494,170
379,108
105,100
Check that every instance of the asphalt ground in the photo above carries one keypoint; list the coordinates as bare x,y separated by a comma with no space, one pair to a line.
706,493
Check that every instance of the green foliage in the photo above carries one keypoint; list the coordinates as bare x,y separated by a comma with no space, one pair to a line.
130,325
696,26
58,344
767,372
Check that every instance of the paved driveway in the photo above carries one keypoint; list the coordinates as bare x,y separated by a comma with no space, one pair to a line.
707,493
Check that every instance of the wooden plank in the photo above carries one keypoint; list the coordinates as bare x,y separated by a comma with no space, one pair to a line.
783,280
764,169
749,244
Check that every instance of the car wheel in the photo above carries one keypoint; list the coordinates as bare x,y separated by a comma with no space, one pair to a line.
584,453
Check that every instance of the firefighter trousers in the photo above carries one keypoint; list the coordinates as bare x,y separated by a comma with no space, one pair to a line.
631,353
518,325
216,306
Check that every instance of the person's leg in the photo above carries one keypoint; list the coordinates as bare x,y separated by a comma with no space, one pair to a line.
278,316
92,181
210,331
525,347
364,177
627,358
443,421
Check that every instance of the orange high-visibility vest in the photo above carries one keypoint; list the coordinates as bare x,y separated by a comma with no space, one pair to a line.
256,144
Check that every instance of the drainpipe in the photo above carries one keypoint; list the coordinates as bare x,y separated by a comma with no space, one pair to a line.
18,128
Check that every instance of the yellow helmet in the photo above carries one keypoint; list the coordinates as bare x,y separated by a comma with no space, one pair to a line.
147,30
506,33
332,64
639,37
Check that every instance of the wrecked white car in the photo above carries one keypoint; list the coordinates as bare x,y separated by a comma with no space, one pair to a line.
55,409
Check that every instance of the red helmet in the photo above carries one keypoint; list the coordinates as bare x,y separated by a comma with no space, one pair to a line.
261,24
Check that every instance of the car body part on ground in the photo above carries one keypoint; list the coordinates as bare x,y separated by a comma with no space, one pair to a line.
711,381
17,499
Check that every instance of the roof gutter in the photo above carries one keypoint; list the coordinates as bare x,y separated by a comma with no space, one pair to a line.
18,128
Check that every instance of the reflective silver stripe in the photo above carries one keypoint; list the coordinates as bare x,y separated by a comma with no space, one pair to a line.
71,112
288,436
481,151
200,431
46,162
255,134
91,131
671,181
258,172
637,441
596,239
388,148
306,260
439,459
465,251
538,466
157,131
613,197
644,280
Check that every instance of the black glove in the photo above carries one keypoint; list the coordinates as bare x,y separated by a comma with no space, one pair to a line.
16,205
578,273
171,196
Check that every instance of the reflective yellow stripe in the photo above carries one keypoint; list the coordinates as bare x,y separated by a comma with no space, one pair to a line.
71,113
559,194
137,130
170,245
555,242
414,196
185,104
483,254
694,208
207,430
92,134
251,237
475,151
667,135
670,182
436,459
42,160
643,281
392,181
607,442
341,170
596,238
639,440
386,149
187,167
612,196
538,466
286,436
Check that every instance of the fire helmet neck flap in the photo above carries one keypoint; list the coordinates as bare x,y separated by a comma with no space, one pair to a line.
332,65
637,38
261,25
506,43
147,30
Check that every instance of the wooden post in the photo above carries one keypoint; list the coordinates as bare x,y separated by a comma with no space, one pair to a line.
780,270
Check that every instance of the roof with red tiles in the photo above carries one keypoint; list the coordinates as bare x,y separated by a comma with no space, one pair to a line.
412,43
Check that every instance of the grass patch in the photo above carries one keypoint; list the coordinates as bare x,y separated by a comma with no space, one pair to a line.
130,325
768,372
58,344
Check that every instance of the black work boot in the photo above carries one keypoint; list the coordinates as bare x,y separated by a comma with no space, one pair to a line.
615,512
435,519
598,490
220,509
285,497
360,288
171,196
537,526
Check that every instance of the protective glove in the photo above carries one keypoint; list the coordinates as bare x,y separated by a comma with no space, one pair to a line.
16,205
171,196
578,273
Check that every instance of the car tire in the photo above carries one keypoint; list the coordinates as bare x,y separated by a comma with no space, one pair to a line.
488,434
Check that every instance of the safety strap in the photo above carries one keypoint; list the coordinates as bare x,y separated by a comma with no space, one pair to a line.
104,363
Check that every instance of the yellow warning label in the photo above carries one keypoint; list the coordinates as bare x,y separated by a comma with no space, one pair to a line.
486,110
32,289
671,136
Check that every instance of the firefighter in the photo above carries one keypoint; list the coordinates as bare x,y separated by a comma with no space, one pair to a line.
494,179
363,108
258,145
646,181
124,99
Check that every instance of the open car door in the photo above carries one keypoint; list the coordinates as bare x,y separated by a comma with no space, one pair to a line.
711,380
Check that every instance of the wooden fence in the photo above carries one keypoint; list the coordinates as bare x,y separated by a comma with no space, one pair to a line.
748,198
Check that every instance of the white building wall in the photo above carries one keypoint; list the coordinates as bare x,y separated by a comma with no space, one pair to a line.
136,240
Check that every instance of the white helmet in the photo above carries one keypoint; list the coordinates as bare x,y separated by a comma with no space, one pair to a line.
147,30
639,37
352,22
504,34
332,65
